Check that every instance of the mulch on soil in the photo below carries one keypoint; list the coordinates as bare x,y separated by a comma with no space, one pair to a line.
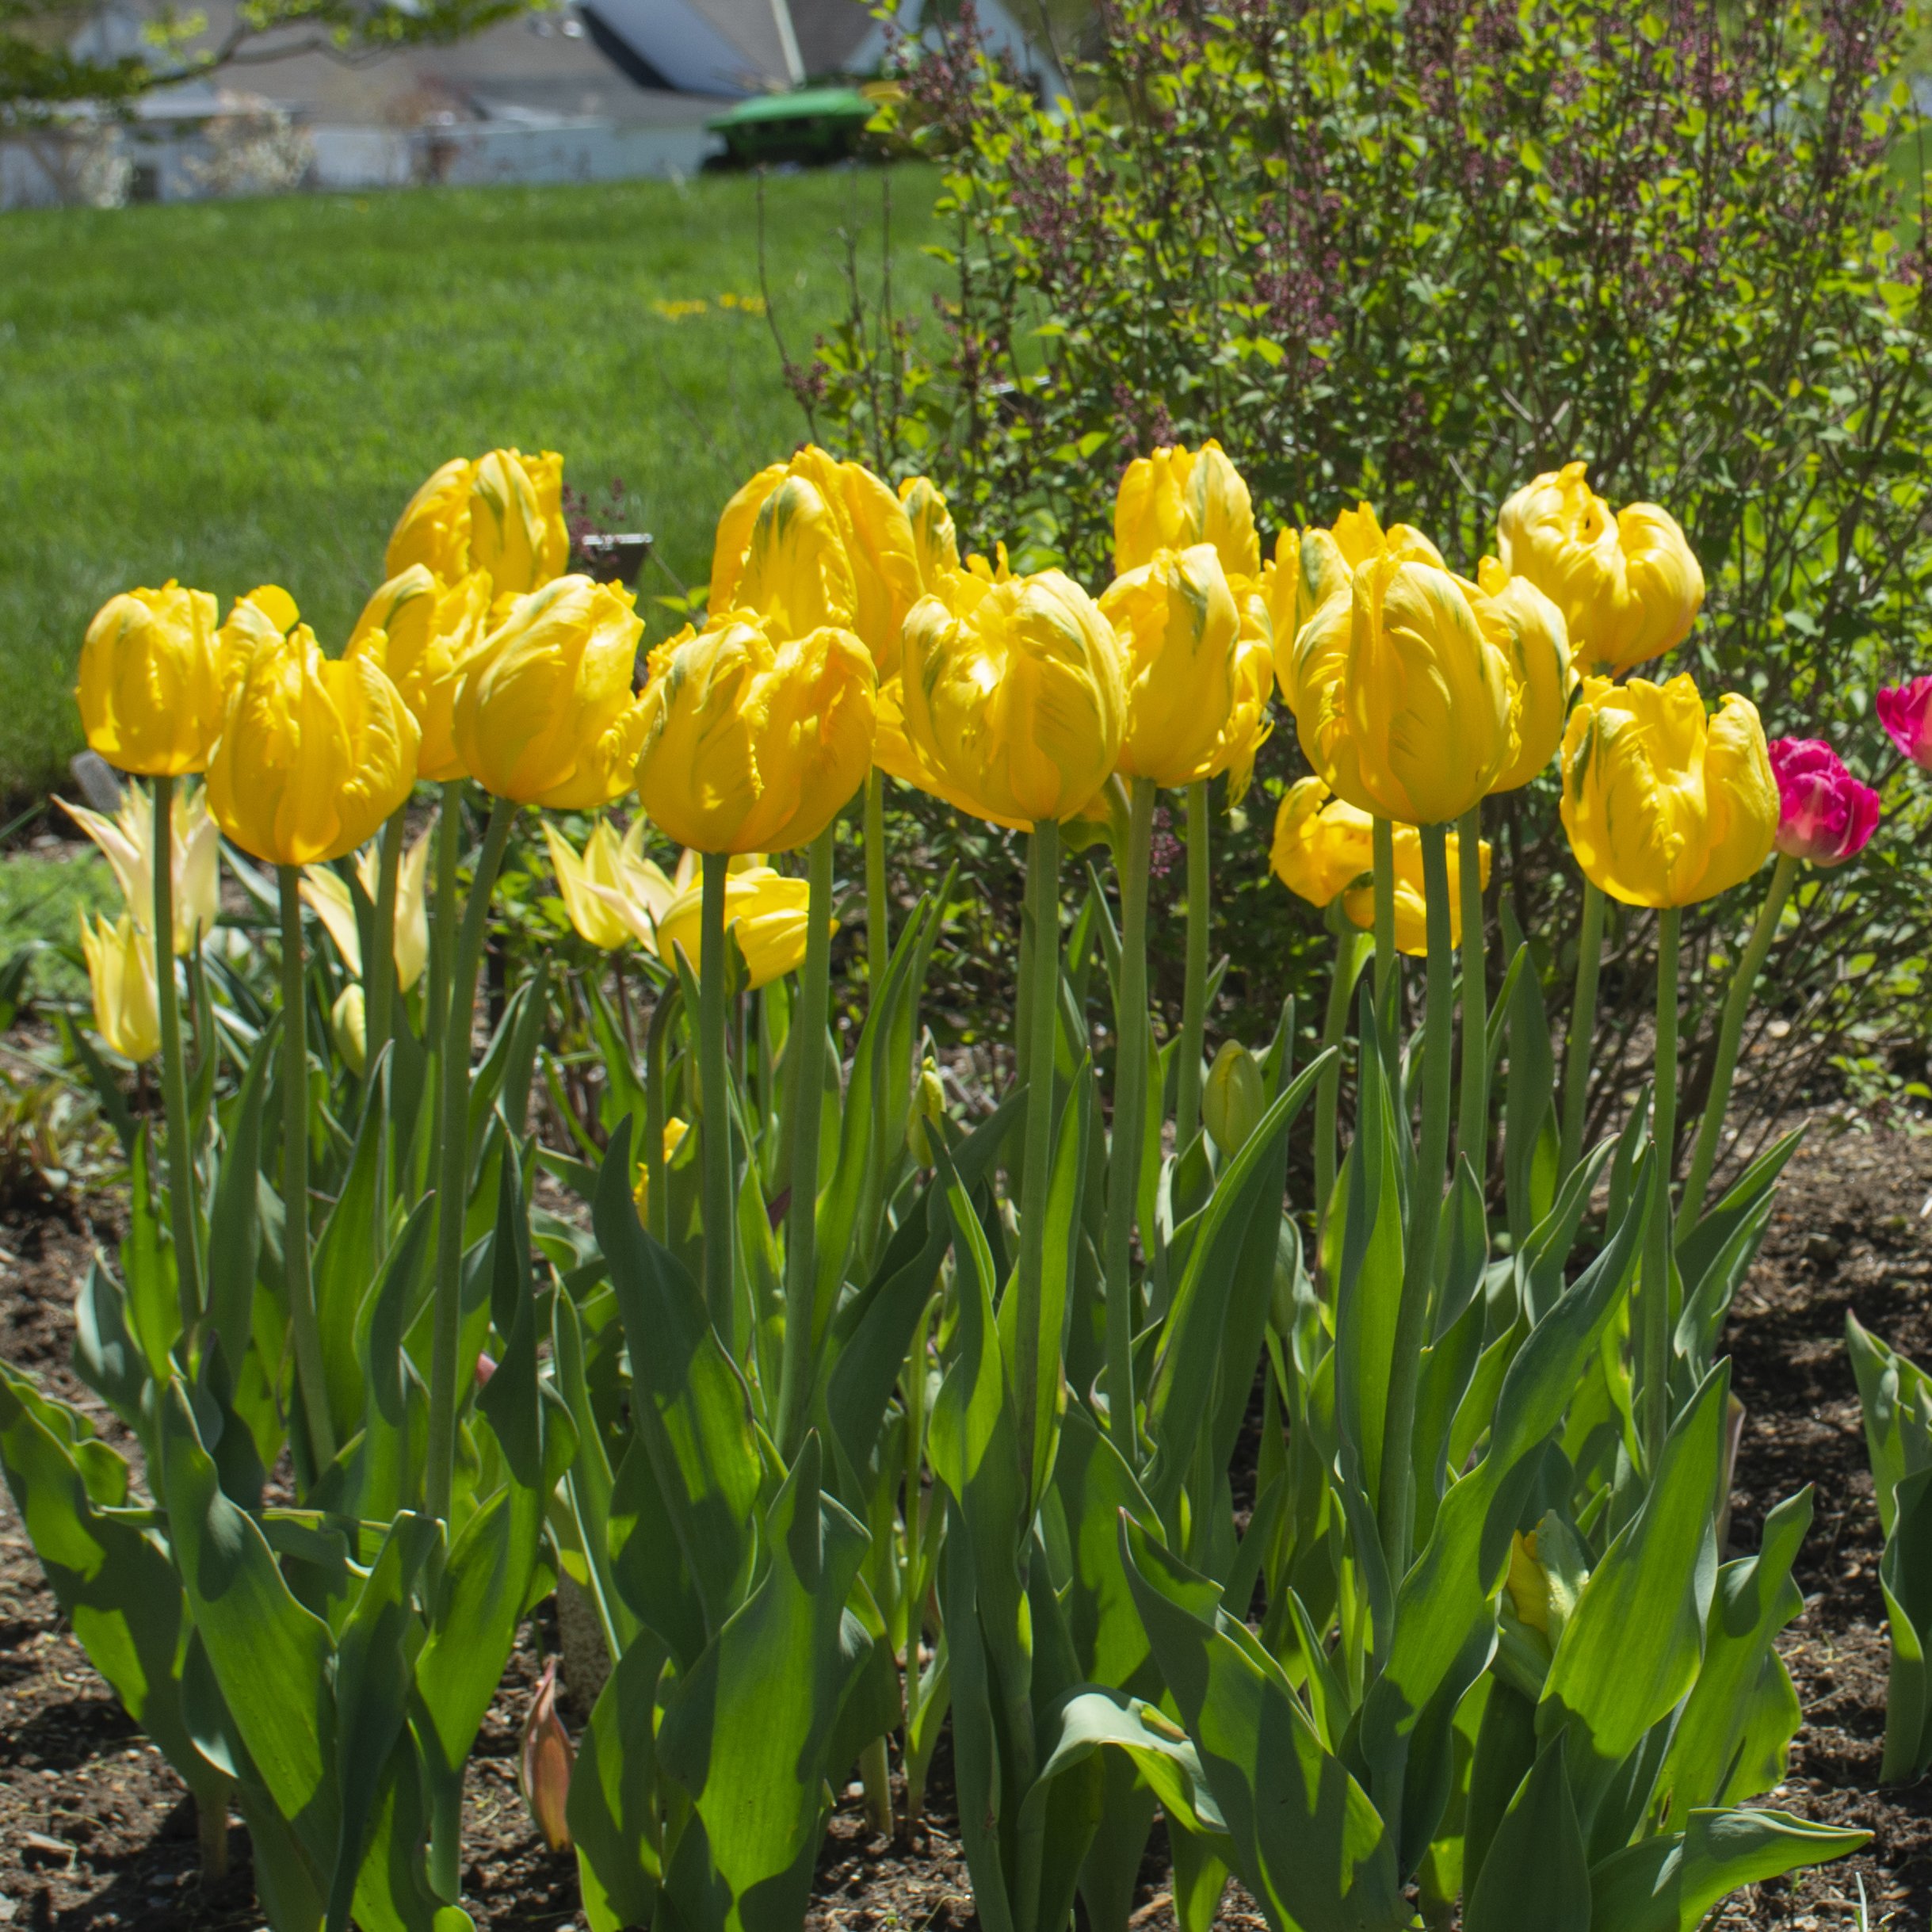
96,1834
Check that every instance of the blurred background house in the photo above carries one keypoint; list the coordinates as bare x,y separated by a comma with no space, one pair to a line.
584,90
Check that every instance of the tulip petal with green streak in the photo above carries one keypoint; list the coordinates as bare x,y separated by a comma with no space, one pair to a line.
754,743
314,754
1177,625
1402,704
1664,805
1178,497
120,970
544,715
150,690
935,542
1627,584
768,913
1249,722
1528,629
611,873
422,632
128,840
1013,696
502,514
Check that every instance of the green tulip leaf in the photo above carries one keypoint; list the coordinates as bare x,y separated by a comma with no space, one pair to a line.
1535,1879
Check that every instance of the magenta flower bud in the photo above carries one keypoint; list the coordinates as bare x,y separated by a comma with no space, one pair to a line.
1906,712
486,1367
1824,814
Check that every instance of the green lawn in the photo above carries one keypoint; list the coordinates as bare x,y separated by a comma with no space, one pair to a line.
231,393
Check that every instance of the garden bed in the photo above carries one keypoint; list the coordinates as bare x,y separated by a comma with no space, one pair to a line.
95,1832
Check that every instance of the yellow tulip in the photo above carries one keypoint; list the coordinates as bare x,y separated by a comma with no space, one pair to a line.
349,1027
422,632
935,543
128,840
1663,805
1177,626
263,616
733,539
674,1132
1249,721
1324,849
768,913
1179,498
502,513
313,755
1313,566
1529,1582
327,894
611,875
120,968
150,689
1627,584
545,714
797,574
1013,696
1402,704
753,743
1528,628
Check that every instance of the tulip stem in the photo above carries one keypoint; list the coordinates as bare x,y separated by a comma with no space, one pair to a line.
714,1099
809,1024
1385,836
1398,1482
1654,1311
656,1048
379,973
1194,999
1583,1029
1036,1171
1350,956
442,944
1130,1114
453,1166
304,1329
1737,1005
1472,1124
878,915
173,1072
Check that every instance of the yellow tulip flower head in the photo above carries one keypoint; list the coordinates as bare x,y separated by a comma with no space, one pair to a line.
935,542
1664,805
1529,630
1177,626
121,969
1402,704
1178,497
502,513
544,713
327,894
314,754
768,913
597,885
1249,721
1627,584
1015,697
128,841
150,689
674,1132
754,742
733,539
423,633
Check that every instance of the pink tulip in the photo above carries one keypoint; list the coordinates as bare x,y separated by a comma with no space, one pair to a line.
1906,712
1825,814
486,1367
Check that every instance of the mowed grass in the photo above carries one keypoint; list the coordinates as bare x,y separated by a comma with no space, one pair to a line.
241,392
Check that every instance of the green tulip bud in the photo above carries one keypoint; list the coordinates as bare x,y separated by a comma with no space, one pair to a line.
1232,1103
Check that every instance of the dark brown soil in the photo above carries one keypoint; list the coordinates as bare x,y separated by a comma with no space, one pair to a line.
95,1832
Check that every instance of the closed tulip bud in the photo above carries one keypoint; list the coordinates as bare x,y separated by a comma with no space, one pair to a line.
544,715
1178,497
502,513
1015,697
121,969
1906,712
422,632
128,841
313,755
753,743
612,893
1528,629
1233,1100
1177,625
1824,814
1528,1583
150,689
349,1028
674,1132
924,1124
935,542
1627,583
1401,703
763,910
544,1760
1663,805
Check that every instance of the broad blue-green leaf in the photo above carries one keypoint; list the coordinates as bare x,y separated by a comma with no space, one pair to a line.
106,1357
613,1810
1091,1719
1895,1396
1905,1576
1668,1884
1529,1152
151,1301
234,1227
1535,1879
347,1254
1697,1246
